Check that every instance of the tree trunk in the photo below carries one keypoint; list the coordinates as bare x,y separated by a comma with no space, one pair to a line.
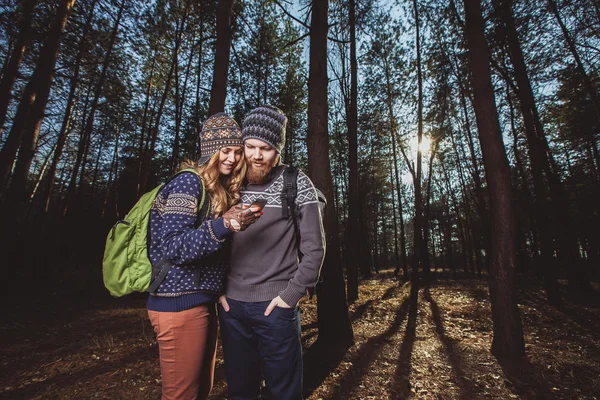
48,179
426,229
353,239
218,91
375,251
393,132
89,124
447,231
365,249
33,105
481,203
568,246
179,102
537,157
418,220
573,50
335,329
524,189
376,239
395,217
141,153
151,146
474,231
508,332
385,250
11,70
114,168
95,172
200,67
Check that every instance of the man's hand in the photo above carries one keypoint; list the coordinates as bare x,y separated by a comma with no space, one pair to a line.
276,302
224,304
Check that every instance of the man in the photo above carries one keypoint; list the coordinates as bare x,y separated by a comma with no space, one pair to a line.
259,315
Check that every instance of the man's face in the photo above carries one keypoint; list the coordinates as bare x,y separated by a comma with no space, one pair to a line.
260,158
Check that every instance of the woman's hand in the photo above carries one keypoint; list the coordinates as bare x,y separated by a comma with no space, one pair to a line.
237,218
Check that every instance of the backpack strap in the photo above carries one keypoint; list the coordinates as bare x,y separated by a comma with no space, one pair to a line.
290,191
164,265
288,200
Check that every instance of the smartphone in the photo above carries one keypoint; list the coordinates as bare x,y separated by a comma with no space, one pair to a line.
255,206
261,203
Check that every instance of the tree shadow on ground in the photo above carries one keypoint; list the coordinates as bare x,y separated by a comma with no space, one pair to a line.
401,381
70,378
581,308
526,379
360,310
319,361
385,274
391,291
466,387
359,362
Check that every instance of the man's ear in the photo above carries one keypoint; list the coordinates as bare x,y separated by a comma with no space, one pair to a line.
277,159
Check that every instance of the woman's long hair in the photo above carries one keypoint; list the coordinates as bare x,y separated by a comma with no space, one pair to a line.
223,190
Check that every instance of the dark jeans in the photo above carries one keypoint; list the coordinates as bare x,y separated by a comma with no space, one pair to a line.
253,343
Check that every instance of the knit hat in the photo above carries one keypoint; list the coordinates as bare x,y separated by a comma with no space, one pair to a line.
266,123
219,130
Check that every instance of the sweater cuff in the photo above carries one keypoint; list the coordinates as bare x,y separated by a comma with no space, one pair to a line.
291,296
219,228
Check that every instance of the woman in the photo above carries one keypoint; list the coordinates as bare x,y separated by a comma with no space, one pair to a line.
195,242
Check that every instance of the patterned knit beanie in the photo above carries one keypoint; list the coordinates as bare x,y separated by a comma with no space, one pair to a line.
219,130
266,123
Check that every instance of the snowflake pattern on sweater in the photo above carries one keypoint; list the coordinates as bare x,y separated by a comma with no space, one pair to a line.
198,255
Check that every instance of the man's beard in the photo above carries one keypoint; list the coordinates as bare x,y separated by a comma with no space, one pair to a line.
258,176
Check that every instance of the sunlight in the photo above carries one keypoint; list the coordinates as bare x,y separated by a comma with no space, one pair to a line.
423,148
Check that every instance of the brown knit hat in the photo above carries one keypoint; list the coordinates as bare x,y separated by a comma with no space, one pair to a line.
219,130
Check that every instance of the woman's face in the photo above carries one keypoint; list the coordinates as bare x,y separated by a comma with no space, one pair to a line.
229,157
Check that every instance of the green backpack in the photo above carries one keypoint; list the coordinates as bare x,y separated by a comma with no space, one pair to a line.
126,267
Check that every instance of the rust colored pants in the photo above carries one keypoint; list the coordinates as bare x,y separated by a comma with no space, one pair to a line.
187,342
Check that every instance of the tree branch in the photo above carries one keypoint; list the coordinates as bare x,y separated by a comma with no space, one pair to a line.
338,40
293,42
286,12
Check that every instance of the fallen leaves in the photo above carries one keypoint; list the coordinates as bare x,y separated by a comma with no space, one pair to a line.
111,352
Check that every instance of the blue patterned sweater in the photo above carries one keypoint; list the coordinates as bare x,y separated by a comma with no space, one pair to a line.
199,250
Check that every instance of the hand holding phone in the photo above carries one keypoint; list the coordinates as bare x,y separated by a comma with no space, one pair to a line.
260,203
257,205
240,217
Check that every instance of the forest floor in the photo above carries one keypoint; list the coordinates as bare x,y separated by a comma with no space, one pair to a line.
433,343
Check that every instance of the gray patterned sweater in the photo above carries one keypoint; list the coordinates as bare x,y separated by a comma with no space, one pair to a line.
264,258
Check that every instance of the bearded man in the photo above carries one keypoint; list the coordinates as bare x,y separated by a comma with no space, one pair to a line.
259,314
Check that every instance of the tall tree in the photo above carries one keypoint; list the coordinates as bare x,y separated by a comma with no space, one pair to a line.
30,113
542,164
47,181
508,332
335,328
571,45
10,72
353,237
218,92
150,149
89,123
419,246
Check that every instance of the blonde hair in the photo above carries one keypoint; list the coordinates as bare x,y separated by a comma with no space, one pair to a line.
223,190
